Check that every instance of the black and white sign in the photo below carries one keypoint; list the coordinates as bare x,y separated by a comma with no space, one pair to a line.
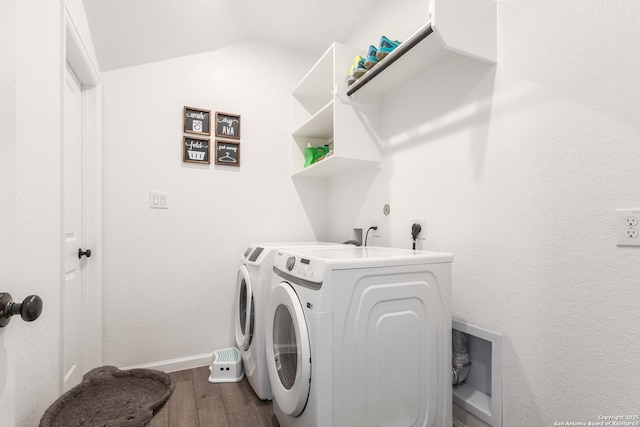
227,153
197,121
228,125
195,150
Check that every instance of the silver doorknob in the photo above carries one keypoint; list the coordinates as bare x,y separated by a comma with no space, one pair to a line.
29,309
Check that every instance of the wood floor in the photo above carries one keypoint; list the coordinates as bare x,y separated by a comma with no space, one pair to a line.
197,403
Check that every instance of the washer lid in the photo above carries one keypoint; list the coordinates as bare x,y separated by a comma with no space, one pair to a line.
245,309
347,257
288,350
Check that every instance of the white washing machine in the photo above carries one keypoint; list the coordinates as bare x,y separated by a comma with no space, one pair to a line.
360,336
253,281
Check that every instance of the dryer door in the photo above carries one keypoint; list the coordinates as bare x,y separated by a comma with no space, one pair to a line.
245,310
288,350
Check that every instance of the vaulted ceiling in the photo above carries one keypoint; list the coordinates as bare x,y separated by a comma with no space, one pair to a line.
133,32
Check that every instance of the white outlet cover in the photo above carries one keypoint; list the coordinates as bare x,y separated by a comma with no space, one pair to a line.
376,232
628,227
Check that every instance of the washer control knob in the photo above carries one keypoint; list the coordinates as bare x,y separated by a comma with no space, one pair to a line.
291,261
246,252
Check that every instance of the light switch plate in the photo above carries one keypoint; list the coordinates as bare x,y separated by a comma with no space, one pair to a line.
159,200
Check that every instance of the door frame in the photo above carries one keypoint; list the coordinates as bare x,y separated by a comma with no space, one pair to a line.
76,54
8,196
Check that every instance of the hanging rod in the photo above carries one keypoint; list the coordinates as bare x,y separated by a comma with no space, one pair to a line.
390,59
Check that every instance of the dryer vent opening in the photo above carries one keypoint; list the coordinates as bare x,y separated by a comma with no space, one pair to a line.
477,372
461,363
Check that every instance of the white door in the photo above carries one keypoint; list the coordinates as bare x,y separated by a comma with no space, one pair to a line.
288,350
7,201
72,292
245,313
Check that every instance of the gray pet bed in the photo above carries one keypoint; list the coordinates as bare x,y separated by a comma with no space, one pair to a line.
109,397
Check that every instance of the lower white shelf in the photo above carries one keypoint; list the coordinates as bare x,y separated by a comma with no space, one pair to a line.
332,166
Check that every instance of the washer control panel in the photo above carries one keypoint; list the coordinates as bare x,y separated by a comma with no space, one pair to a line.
252,255
300,267
256,254
247,252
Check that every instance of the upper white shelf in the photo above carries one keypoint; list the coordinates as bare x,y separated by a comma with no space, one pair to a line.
409,59
466,27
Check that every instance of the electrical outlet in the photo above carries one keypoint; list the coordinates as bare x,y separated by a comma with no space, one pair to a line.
627,227
423,228
376,232
368,233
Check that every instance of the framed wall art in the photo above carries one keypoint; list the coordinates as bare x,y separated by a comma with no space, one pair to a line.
197,121
195,150
227,125
227,153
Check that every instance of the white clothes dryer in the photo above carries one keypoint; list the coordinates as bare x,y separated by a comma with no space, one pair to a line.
252,289
360,336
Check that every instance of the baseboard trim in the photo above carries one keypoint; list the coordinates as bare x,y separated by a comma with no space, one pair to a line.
179,364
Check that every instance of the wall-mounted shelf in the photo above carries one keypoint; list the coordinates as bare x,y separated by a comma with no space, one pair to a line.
321,112
466,27
423,54
322,108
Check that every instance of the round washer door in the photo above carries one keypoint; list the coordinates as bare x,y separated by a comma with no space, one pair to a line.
245,310
288,350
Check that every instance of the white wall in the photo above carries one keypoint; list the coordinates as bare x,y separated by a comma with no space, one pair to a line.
518,169
169,275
